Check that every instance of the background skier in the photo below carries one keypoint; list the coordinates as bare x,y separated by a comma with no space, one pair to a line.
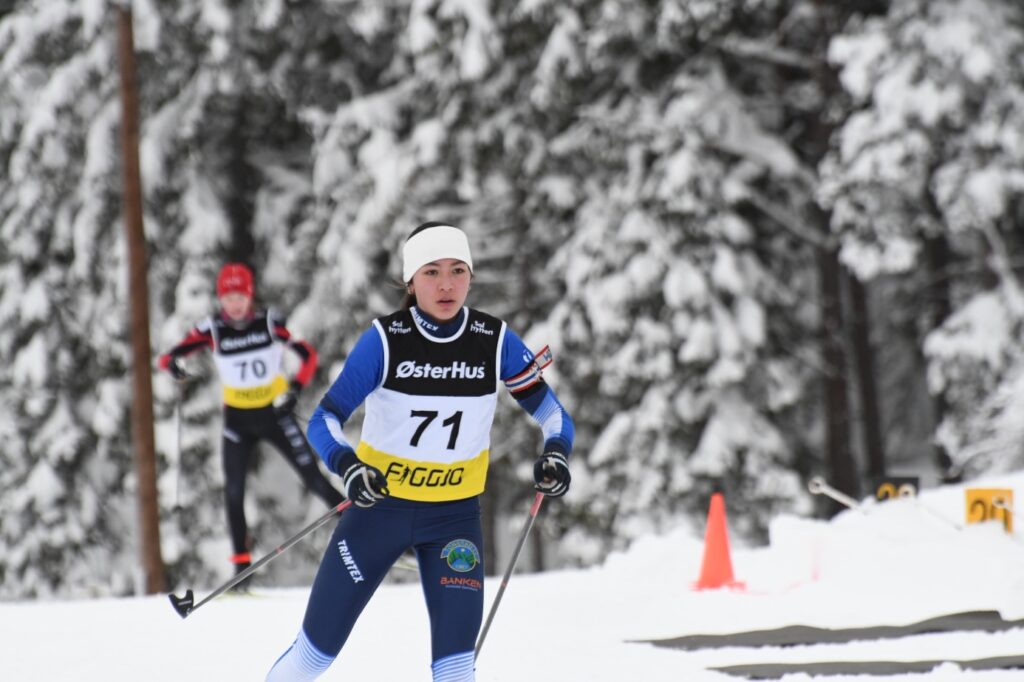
248,347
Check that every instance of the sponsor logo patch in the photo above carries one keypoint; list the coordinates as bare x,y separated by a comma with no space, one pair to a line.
419,477
462,556
252,394
481,328
238,342
398,327
421,321
350,563
461,583
457,370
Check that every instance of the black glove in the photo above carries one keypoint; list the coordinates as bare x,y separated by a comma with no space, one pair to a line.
365,485
285,403
551,474
176,370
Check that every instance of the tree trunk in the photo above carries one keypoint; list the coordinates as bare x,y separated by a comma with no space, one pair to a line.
537,545
142,390
241,183
489,526
937,261
841,468
864,358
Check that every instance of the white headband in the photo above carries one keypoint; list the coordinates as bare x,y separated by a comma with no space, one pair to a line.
433,244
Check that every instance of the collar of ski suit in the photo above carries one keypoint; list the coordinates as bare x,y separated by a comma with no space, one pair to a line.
241,323
443,330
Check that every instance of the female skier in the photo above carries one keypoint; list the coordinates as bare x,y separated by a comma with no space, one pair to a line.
248,346
429,375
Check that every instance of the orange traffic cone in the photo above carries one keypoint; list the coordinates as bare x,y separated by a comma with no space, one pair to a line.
716,569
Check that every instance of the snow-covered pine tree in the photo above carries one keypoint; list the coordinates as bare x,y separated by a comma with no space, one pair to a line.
929,164
225,159
623,168
447,136
256,92
67,506
666,323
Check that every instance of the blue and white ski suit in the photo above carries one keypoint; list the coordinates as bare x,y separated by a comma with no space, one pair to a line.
430,391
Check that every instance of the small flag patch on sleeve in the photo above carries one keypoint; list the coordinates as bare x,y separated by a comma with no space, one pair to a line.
532,373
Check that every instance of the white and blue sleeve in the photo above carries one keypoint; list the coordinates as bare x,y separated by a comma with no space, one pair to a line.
524,381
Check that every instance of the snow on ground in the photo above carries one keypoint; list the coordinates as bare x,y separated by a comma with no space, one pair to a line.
890,563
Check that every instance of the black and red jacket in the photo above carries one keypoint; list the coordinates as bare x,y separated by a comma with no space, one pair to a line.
249,356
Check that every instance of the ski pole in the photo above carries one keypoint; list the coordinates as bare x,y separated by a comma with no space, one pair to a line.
508,571
184,605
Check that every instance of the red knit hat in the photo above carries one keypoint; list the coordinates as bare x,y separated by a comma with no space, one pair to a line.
234,278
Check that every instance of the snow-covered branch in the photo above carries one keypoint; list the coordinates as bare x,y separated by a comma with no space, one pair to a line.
788,219
748,48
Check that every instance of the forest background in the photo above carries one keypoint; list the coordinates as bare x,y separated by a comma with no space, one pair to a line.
766,240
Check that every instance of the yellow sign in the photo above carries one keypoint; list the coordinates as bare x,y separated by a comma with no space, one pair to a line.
990,504
891,487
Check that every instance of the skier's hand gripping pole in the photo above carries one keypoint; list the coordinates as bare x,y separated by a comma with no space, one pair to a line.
186,605
551,474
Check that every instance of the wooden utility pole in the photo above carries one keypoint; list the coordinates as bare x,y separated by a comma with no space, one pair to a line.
138,290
